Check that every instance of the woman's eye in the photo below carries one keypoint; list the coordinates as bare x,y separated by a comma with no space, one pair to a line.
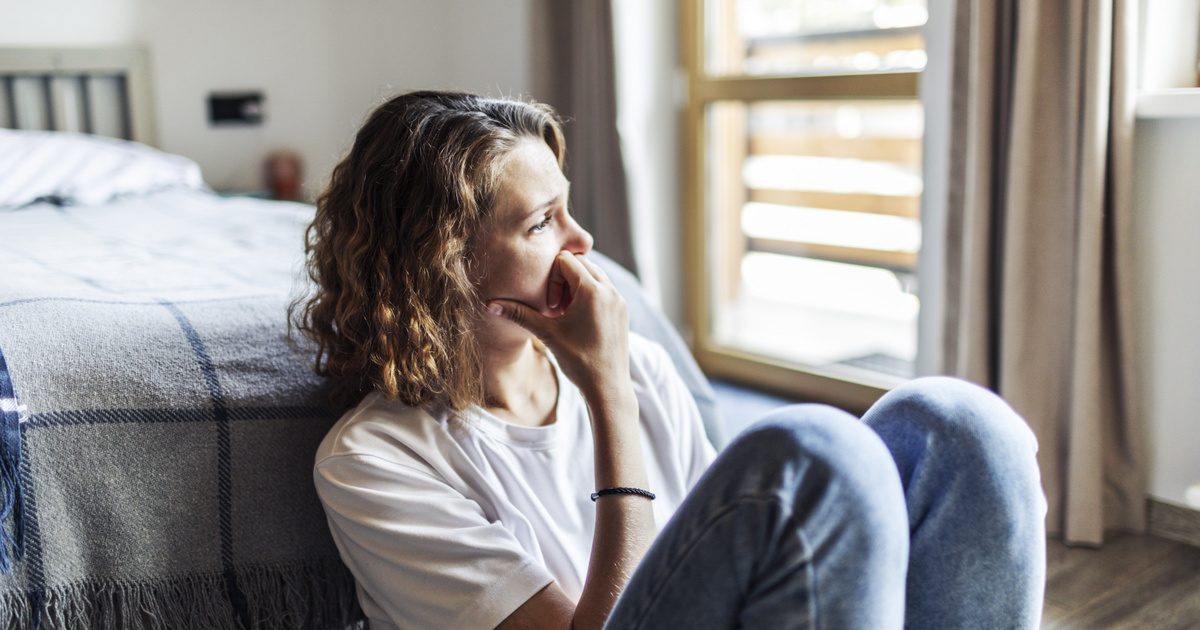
540,226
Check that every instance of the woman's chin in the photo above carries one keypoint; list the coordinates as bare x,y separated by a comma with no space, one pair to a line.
507,333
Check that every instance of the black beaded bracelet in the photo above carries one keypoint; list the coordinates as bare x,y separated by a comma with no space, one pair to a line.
600,493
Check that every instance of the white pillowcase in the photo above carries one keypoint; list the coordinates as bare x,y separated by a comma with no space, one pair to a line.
81,169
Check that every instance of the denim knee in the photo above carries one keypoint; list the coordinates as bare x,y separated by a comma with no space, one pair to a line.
972,417
836,445
967,425
824,433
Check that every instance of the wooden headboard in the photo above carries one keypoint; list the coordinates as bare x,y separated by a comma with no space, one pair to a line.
104,91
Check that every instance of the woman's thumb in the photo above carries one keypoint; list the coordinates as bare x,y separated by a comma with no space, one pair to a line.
520,314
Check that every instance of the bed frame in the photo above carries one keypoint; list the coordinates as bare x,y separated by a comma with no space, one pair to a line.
103,91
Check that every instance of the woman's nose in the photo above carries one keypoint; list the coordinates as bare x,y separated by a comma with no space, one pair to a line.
580,241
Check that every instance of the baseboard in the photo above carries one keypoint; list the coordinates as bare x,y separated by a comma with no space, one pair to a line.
1168,520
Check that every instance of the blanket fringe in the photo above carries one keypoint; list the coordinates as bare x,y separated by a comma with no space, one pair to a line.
10,472
314,595
11,526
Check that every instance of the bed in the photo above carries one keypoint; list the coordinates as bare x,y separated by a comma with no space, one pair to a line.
164,425
158,426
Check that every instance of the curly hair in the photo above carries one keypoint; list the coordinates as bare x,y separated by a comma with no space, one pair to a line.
394,308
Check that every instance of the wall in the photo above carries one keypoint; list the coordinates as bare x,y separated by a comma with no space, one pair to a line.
73,22
1167,254
1169,34
649,103
321,64
486,46
935,167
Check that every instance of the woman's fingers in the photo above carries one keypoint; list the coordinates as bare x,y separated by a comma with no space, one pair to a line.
595,270
523,316
556,289
572,270
567,274
587,323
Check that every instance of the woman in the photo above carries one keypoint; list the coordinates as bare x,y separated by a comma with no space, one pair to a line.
495,386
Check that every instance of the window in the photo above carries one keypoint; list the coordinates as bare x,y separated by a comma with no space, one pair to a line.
803,167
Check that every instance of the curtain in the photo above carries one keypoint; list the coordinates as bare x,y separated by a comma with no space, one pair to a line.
1038,269
573,70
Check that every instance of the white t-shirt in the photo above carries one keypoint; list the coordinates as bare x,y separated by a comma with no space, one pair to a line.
451,521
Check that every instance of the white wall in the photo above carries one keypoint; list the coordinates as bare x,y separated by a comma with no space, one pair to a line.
1169,32
70,22
935,166
1167,253
486,46
321,64
649,106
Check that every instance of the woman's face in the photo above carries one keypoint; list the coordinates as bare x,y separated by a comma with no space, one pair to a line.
530,225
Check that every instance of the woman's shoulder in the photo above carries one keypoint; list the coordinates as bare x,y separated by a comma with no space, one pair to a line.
387,430
647,355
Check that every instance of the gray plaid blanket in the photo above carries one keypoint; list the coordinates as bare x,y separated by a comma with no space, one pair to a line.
158,431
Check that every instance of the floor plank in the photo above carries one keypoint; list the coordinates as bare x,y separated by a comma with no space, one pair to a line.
1136,582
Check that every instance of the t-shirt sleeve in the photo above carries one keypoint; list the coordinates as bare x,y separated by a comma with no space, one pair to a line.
696,452
424,553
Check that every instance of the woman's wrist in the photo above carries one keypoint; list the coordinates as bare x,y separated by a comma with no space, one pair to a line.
617,439
612,410
614,393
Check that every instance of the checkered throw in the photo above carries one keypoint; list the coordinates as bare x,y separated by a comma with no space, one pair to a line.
157,428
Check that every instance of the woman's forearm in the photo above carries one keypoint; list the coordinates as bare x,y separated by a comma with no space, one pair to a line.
624,523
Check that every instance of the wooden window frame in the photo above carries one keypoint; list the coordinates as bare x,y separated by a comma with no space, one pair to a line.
796,380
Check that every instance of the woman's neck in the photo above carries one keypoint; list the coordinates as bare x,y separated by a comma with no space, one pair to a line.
520,385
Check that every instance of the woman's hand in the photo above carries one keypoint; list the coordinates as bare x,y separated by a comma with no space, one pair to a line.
589,333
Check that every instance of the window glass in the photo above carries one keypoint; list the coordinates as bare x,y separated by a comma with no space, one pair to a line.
814,231
791,37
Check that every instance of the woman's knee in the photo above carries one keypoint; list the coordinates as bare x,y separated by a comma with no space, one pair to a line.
822,440
837,480
954,410
801,430
948,426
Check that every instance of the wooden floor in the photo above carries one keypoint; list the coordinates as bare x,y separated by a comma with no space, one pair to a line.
1140,582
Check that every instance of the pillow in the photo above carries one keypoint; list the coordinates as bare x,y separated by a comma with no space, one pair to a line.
75,168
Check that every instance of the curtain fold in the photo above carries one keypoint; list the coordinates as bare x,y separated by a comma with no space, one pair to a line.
574,70
1038,280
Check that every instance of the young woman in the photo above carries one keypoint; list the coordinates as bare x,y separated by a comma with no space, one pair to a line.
512,456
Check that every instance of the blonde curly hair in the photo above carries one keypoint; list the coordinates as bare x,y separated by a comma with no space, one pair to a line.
394,308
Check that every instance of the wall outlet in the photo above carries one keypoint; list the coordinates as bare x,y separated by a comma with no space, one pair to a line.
235,108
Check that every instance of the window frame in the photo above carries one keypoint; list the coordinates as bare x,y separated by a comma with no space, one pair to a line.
700,90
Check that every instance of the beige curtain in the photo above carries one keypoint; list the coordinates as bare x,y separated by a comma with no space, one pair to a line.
1038,284
574,70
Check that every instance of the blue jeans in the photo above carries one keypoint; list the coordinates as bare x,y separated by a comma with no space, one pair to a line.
927,513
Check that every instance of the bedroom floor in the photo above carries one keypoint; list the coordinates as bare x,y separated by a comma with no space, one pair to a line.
1134,581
